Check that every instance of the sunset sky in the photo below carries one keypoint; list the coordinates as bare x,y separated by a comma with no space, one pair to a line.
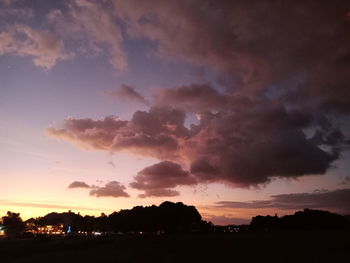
237,107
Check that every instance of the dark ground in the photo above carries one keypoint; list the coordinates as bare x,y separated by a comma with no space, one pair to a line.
237,247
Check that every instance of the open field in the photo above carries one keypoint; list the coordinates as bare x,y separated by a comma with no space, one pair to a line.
241,247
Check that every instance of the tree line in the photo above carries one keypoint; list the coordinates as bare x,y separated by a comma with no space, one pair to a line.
168,217
171,217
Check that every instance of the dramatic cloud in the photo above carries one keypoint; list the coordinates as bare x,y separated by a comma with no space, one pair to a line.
274,106
299,48
44,47
78,184
126,92
336,200
177,28
250,147
241,148
111,189
157,179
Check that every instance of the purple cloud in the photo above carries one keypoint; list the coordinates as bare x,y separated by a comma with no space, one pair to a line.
158,179
111,189
335,200
78,184
272,109
241,148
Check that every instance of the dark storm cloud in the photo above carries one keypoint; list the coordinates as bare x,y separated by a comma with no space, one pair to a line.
336,200
255,44
78,184
158,179
126,92
250,147
111,189
282,67
300,50
241,148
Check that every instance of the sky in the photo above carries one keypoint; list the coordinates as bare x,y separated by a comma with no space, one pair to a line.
237,107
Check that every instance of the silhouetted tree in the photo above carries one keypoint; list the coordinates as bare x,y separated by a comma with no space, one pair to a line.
75,221
306,220
265,223
168,217
13,224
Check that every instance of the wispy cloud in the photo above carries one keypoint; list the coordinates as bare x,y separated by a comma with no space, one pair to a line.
45,48
94,24
336,200
46,205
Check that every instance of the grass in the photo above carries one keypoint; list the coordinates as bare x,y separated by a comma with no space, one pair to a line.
238,247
